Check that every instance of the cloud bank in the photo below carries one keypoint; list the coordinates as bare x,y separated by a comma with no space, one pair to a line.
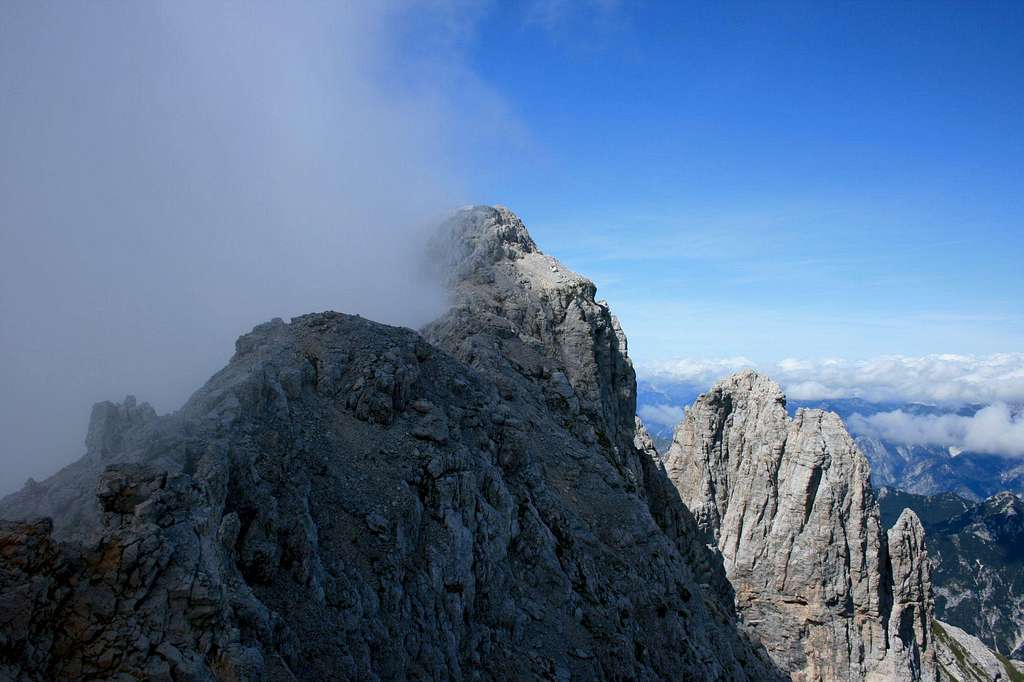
994,429
173,173
696,371
945,380
939,379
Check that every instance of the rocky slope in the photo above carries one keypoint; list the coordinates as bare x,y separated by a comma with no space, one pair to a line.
789,504
962,657
347,500
977,557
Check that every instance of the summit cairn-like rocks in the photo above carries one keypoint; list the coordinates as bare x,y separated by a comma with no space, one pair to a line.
788,502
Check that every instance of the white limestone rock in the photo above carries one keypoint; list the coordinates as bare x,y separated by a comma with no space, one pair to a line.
789,504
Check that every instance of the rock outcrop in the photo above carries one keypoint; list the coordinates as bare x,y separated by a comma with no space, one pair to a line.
348,500
789,504
116,431
910,643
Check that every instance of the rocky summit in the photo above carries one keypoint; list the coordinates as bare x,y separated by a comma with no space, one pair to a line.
788,503
349,500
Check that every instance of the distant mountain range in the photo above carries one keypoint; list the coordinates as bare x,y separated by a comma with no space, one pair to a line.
660,404
927,469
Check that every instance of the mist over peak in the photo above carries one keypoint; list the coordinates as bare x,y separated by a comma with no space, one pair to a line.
174,173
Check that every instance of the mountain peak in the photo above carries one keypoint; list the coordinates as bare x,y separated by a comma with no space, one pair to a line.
1006,502
351,500
788,502
489,247
477,235
749,384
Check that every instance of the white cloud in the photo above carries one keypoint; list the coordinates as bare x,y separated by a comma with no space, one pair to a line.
995,429
699,371
812,390
945,379
661,414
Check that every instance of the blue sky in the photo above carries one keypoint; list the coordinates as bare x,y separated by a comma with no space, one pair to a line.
792,179
775,184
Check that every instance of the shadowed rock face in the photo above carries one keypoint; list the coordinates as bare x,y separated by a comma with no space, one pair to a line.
789,504
356,501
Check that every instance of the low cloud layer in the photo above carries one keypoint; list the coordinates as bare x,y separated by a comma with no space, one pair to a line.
701,372
994,429
945,380
938,379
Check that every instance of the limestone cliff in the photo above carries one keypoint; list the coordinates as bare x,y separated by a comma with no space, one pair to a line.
789,504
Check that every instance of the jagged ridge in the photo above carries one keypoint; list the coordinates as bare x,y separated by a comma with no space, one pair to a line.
347,499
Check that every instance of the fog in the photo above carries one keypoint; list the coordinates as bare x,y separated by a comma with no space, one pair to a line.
172,174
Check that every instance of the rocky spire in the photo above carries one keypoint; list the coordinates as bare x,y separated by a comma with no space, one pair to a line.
789,504
910,635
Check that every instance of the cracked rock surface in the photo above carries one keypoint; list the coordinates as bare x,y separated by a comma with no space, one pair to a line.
789,504
349,500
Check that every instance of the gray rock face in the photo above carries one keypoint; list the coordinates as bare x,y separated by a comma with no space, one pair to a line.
347,500
789,504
